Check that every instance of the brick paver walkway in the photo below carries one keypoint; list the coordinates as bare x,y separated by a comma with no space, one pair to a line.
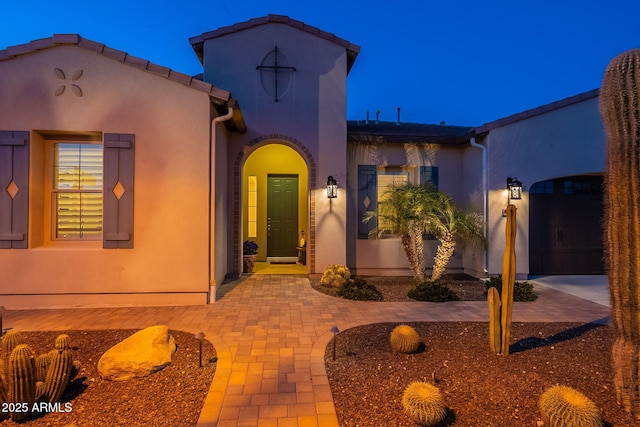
270,335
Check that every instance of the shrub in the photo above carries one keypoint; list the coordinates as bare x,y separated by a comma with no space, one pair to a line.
335,275
423,402
358,289
522,291
432,292
562,406
404,339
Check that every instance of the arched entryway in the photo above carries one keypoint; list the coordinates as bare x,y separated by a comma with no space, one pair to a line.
566,226
275,202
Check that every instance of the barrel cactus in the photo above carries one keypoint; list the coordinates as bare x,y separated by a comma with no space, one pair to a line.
620,112
335,275
562,406
404,339
423,402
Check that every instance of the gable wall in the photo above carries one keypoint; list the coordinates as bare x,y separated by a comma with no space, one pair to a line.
312,112
564,142
171,127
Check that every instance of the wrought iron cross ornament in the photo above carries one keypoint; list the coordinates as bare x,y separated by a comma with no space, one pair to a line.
273,65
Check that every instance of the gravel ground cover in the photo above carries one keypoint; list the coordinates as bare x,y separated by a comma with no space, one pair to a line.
171,397
368,378
481,389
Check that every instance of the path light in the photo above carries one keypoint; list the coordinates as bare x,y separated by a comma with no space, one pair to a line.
515,188
334,330
332,187
200,337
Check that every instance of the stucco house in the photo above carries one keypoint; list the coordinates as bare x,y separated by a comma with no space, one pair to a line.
123,182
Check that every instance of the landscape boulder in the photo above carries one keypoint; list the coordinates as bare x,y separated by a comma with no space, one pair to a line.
143,353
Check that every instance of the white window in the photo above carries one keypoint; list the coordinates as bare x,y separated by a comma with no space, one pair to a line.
76,196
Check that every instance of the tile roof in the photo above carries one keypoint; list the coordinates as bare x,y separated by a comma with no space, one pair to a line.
218,96
372,132
487,127
198,41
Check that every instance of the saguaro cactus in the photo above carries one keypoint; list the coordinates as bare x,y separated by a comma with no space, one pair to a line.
22,371
500,311
59,371
620,110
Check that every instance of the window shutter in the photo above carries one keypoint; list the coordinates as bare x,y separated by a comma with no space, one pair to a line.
367,198
117,217
14,189
429,176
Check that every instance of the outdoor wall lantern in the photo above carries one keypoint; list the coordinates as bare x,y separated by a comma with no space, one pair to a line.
515,188
332,187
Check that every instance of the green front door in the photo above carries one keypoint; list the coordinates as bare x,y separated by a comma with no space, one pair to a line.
282,215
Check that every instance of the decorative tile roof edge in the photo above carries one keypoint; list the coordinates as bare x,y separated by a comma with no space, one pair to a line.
11,52
585,96
276,19
352,49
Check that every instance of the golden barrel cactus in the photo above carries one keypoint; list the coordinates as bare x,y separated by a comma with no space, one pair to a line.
424,403
562,406
404,339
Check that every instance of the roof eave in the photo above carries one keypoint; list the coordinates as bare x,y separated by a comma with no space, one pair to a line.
197,42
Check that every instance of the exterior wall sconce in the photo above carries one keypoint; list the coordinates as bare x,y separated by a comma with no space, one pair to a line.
515,188
332,188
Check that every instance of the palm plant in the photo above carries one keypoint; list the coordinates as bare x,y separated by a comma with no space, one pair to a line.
410,210
401,212
447,223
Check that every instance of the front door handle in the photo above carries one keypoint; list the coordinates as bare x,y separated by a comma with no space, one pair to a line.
268,227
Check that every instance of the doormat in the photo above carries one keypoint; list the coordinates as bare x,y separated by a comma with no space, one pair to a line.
282,262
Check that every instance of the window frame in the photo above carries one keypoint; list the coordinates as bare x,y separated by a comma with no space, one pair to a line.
367,191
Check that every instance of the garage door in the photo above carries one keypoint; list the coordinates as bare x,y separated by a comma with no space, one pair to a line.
565,234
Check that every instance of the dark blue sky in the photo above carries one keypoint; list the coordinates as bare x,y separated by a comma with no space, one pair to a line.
465,62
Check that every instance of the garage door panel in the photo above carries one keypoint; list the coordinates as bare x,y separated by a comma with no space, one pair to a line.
566,227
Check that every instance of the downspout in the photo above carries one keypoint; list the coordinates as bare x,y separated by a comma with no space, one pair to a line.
485,201
211,298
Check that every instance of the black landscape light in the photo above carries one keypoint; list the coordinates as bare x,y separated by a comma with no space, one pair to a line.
334,330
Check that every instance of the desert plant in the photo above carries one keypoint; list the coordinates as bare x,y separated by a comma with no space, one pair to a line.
59,371
432,291
448,223
562,406
424,403
500,310
620,112
10,340
29,379
414,210
22,379
401,212
335,275
359,289
522,291
404,339
42,364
